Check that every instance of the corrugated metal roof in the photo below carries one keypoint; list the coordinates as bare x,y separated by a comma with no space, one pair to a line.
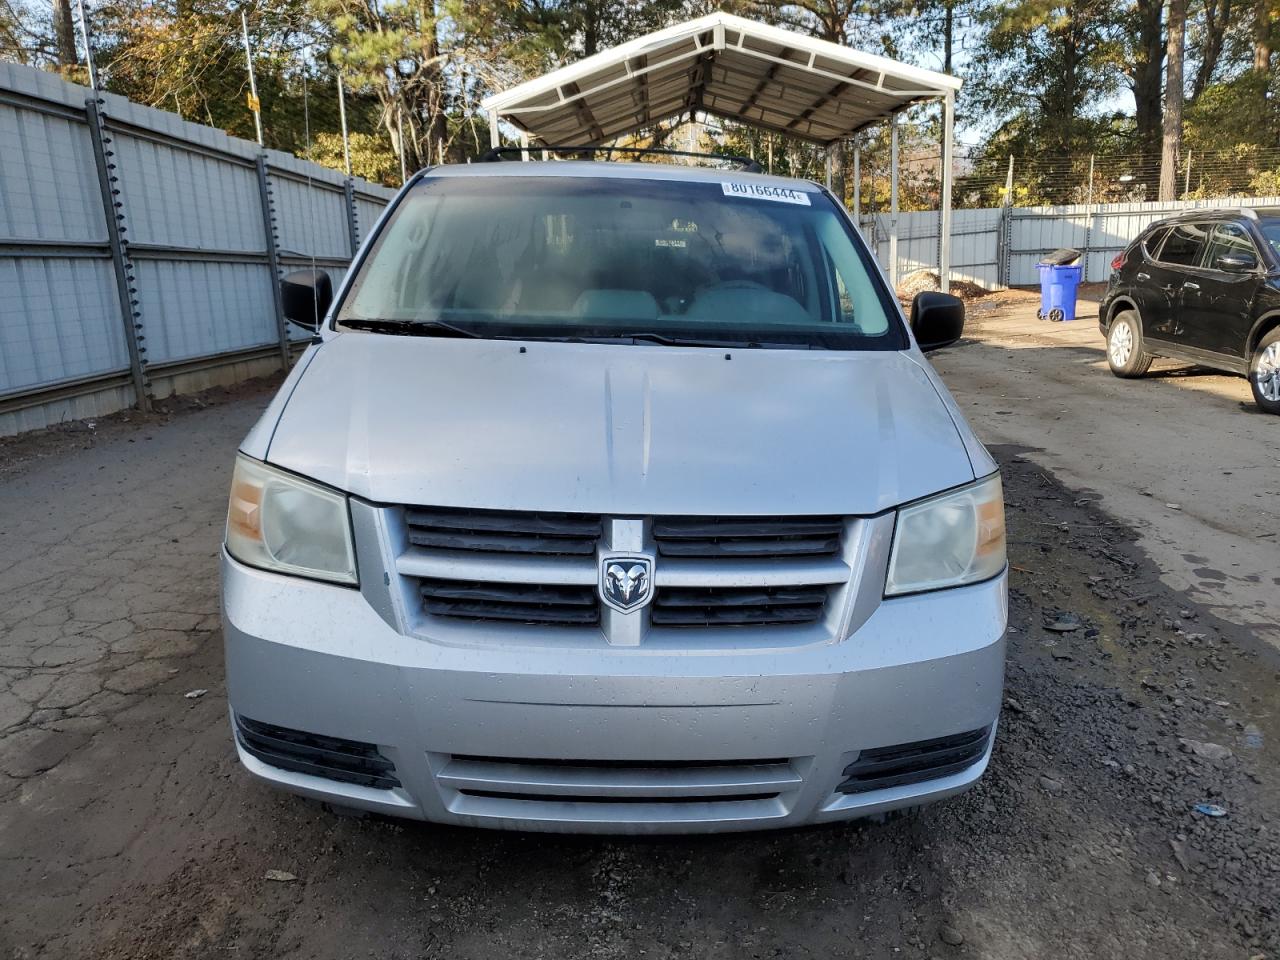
723,66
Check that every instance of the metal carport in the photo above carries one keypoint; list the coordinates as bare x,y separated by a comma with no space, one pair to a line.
735,69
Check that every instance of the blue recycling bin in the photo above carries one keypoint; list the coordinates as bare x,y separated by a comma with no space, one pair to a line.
1058,283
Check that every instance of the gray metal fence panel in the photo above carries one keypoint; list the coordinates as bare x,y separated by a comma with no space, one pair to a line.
313,219
59,321
1099,231
184,198
209,308
194,240
48,187
367,214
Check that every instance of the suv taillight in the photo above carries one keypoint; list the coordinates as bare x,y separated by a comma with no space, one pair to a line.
1118,261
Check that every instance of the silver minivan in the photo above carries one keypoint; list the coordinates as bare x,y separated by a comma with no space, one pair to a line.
615,497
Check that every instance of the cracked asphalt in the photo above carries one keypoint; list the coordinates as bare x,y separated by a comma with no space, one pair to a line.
127,829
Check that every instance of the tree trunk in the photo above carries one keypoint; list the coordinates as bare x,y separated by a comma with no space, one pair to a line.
1216,17
1148,70
948,34
837,153
1174,53
1262,37
64,32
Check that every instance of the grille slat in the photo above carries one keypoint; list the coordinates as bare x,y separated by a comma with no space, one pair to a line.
500,531
512,602
541,524
348,761
496,543
906,763
732,597
737,606
609,781
508,592
780,537
741,616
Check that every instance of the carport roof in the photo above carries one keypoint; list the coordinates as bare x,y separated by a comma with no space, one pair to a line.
723,66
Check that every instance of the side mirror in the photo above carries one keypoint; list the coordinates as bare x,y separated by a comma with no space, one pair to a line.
306,295
1237,262
937,319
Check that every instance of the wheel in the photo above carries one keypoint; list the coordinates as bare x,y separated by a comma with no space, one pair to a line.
1039,314
1056,315
1125,355
1264,373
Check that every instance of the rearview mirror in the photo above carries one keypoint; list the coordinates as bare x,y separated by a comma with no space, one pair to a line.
1237,262
937,319
306,296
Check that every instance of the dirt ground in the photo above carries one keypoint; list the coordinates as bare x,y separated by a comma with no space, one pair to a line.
1183,455
127,829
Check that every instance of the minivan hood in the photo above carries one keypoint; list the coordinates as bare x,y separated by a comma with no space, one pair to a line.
617,429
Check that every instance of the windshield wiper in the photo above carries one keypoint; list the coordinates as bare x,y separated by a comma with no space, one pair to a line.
670,341
410,328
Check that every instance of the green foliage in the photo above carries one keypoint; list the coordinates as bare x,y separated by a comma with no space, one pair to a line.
1227,114
1046,81
372,157
1046,67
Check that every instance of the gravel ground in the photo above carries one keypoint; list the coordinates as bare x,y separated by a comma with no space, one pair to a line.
127,829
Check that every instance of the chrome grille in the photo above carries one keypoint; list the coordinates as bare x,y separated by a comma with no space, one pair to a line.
500,531
738,537
508,570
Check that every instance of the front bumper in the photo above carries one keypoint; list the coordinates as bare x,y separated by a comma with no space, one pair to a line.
630,739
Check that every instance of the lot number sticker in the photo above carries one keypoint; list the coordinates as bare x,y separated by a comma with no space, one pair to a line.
762,191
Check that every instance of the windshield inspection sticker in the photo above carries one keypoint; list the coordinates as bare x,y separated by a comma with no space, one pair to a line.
762,191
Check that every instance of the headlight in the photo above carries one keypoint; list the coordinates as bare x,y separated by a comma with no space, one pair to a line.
280,522
949,540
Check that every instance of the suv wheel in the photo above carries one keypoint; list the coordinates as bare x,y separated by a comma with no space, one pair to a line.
1125,355
1264,373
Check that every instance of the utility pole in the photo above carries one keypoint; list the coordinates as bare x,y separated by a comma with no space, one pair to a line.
342,114
254,103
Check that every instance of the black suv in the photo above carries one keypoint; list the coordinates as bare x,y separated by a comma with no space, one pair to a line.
1203,287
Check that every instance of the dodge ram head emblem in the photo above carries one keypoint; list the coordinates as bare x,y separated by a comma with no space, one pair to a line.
626,582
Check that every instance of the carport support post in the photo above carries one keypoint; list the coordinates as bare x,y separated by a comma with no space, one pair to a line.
944,229
494,140
893,201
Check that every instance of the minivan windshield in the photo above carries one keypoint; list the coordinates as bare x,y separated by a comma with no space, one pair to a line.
743,261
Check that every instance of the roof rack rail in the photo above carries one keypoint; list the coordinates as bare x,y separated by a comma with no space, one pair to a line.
746,164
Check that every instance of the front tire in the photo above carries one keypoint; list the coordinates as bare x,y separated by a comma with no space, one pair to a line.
1264,373
1125,355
